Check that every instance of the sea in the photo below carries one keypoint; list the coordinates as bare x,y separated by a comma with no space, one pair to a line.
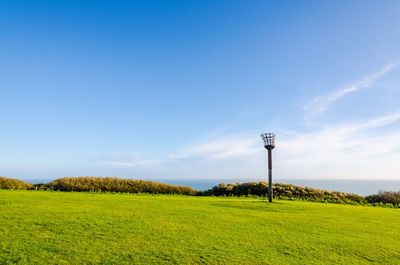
357,186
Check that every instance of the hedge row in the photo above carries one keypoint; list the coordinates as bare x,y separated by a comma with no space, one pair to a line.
14,184
385,197
97,184
111,184
284,191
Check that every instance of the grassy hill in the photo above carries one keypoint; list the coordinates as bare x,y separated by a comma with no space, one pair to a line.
75,228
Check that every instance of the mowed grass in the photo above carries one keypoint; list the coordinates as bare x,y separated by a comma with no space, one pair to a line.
83,228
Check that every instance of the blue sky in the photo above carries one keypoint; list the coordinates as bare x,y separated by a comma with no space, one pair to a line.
182,89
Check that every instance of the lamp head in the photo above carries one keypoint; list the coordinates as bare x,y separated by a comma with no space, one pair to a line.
269,140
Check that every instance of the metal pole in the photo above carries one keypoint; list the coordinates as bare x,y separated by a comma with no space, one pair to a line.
270,195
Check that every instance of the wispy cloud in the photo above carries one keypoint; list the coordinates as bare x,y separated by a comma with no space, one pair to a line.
362,149
321,103
136,160
223,148
359,149
379,122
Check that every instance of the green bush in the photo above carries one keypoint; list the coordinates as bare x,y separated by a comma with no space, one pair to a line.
14,184
284,191
110,184
281,191
385,197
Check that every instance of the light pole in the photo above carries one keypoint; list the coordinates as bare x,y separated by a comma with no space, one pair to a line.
269,144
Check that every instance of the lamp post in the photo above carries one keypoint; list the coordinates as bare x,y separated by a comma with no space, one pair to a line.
269,144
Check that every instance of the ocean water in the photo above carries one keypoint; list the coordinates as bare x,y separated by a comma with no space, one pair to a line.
357,186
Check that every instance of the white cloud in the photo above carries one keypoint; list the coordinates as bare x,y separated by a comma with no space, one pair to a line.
344,151
321,103
355,150
379,122
223,148
136,160
363,149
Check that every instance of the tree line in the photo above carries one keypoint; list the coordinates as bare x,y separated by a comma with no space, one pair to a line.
259,189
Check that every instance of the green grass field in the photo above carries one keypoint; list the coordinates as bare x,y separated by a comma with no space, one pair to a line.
84,228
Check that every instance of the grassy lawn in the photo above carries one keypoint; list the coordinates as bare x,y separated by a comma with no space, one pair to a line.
83,228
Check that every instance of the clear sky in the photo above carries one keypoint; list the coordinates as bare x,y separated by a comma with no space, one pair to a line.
183,89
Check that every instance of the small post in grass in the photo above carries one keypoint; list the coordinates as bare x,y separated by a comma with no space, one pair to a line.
269,144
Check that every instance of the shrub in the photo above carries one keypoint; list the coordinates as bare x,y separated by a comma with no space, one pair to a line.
13,184
110,184
385,197
284,191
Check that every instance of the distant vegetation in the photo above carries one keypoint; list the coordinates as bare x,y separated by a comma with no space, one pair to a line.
110,184
14,184
248,189
293,192
385,197
284,191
